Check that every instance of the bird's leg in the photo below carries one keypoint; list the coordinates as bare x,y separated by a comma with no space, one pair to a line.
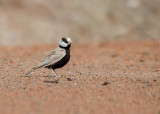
53,73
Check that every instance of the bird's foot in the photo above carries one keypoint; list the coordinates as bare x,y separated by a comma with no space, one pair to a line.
54,74
58,76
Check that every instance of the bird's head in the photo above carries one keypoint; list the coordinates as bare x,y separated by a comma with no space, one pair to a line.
65,43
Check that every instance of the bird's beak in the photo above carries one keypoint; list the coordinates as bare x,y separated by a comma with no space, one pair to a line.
70,42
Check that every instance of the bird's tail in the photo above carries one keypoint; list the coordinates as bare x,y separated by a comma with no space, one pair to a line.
30,71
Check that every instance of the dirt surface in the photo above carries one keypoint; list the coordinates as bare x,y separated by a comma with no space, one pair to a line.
110,77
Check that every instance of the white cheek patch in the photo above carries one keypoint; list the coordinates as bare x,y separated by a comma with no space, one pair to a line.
63,44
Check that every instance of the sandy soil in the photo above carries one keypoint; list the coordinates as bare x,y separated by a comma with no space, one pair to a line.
110,77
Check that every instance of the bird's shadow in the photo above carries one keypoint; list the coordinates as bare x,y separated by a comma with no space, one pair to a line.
47,76
52,82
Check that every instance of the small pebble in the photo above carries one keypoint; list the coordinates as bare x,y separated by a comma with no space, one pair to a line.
105,83
69,79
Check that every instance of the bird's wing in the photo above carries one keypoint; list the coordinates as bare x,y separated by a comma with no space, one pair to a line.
54,56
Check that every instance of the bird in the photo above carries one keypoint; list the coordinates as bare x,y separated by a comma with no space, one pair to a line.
57,58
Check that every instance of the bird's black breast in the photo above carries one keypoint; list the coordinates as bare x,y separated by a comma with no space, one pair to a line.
62,62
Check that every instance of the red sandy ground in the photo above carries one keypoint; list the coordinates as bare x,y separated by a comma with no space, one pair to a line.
111,77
